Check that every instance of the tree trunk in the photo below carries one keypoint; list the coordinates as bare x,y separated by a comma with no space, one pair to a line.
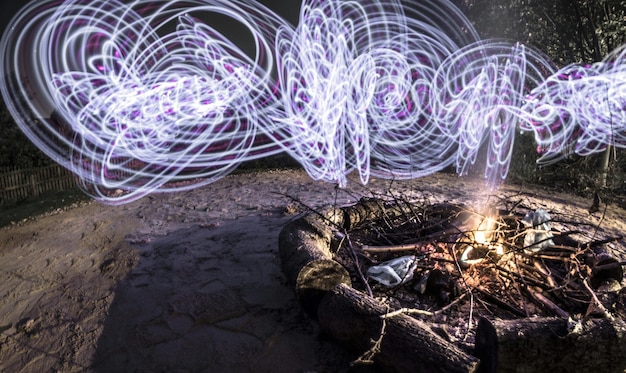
606,162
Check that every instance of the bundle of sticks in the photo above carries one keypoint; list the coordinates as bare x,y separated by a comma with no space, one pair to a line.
568,277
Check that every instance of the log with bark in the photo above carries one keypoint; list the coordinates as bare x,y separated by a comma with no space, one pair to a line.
400,343
305,250
540,344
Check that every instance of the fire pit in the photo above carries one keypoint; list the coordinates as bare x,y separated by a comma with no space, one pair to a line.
415,286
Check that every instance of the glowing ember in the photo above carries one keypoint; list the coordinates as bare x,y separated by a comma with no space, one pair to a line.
484,232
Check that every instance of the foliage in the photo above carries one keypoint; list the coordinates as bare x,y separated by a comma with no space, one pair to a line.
16,151
566,30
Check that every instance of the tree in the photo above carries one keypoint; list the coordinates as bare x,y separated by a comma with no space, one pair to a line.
16,151
568,31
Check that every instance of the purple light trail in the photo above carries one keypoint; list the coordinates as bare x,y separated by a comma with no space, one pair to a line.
153,96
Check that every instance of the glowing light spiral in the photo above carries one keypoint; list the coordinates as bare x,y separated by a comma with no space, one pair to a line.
580,109
147,96
356,84
482,90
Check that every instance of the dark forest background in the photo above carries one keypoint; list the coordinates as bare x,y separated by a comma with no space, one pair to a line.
568,31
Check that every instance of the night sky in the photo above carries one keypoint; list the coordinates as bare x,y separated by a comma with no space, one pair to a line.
8,9
288,9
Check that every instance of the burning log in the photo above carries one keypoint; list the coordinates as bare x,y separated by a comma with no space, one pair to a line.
402,343
541,344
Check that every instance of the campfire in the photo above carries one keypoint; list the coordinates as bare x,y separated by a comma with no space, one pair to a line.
511,263
481,279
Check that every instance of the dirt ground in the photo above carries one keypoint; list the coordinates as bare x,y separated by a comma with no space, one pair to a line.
192,281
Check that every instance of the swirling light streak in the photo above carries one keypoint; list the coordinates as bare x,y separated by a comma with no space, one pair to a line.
355,84
580,109
147,96
155,96
482,89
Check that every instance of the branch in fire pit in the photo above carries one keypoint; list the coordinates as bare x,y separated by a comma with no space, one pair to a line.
564,279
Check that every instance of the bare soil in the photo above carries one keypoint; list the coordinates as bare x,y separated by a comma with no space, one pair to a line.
192,281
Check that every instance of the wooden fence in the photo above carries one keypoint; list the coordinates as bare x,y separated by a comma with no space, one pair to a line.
20,184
